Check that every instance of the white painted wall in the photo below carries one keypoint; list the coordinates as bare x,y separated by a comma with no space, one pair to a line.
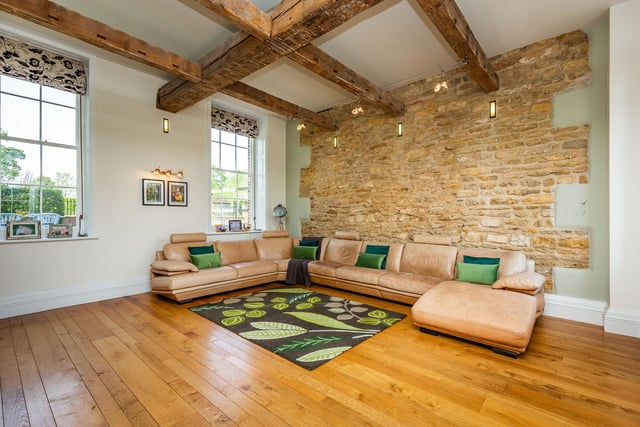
624,158
126,140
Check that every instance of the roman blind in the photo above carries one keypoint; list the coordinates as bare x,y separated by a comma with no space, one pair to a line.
42,66
234,123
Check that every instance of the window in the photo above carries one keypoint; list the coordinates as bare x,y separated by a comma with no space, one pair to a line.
40,152
231,177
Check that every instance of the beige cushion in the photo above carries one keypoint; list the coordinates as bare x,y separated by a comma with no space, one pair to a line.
323,268
359,274
188,280
347,235
342,251
188,237
274,247
237,251
511,262
255,268
267,234
416,284
527,282
431,239
429,260
169,266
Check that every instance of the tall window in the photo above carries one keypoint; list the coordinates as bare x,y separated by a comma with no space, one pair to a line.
39,152
231,178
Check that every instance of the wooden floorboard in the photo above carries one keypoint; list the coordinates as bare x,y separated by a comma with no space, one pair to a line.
146,361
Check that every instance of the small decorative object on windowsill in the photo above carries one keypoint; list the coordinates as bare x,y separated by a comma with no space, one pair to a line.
235,225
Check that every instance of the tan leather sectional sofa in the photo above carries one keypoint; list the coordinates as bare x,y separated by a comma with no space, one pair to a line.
421,273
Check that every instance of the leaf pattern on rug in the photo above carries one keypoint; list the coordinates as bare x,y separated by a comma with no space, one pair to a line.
305,327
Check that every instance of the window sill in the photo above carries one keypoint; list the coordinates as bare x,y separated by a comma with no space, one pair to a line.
46,240
233,233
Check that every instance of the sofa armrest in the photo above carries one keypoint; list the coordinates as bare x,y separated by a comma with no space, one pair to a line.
527,282
170,267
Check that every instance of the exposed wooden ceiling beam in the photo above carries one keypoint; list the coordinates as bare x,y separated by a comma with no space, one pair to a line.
453,26
331,69
292,28
242,13
59,18
262,99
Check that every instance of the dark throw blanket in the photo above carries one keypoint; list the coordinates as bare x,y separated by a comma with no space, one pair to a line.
298,273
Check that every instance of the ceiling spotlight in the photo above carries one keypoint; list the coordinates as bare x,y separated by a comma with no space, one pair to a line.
300,126
357,110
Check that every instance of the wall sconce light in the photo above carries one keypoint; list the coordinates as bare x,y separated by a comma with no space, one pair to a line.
400,129
357,110
492,109
335,142
300,126
165,125
442,85
168,172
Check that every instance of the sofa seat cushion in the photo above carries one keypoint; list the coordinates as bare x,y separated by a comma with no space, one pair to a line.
254,268
495,317
324,268
409,282
281,264
366,275
188,280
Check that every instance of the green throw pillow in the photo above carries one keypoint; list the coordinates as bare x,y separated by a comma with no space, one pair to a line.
484,274
199,250
304,252
203,261
378,249
370,260
480,260
309,242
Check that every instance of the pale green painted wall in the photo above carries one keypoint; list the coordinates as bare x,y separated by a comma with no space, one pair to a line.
298,157
586,206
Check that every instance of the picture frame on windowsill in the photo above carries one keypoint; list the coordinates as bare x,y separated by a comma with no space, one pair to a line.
23,230
235,225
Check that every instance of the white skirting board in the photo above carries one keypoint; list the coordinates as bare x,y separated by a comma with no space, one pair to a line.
34,302
595,312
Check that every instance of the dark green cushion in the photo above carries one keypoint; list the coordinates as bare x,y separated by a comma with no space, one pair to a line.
199,250
203,261
370,260
484,274
304,242
378,249
304,252
480,260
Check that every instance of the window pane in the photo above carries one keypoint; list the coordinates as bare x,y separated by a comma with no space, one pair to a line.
58,96
21,162
19,200
215,154
19,87
58,124
215,135
227,157
20,117
228,138
59,166
243,159
242,141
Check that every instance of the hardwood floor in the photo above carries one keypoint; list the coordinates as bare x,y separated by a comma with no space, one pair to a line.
143,360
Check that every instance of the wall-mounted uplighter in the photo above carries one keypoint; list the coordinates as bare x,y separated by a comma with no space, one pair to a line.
165,125
400,129
492,109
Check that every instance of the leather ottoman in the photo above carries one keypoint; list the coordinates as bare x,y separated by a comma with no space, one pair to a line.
498,318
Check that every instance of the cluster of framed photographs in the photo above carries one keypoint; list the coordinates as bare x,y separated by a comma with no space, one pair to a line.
153,193
25,230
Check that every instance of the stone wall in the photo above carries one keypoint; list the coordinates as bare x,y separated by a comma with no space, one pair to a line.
456,172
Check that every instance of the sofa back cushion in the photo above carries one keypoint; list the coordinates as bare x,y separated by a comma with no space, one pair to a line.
393,256
429,260
235,251
511,262
274,248
340,251
180,251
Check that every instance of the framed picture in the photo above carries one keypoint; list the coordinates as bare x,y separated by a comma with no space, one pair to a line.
59,230
220,228
177,193
23,230
152,192
235,225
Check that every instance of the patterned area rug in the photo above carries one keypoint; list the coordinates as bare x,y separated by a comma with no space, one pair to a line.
305,327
